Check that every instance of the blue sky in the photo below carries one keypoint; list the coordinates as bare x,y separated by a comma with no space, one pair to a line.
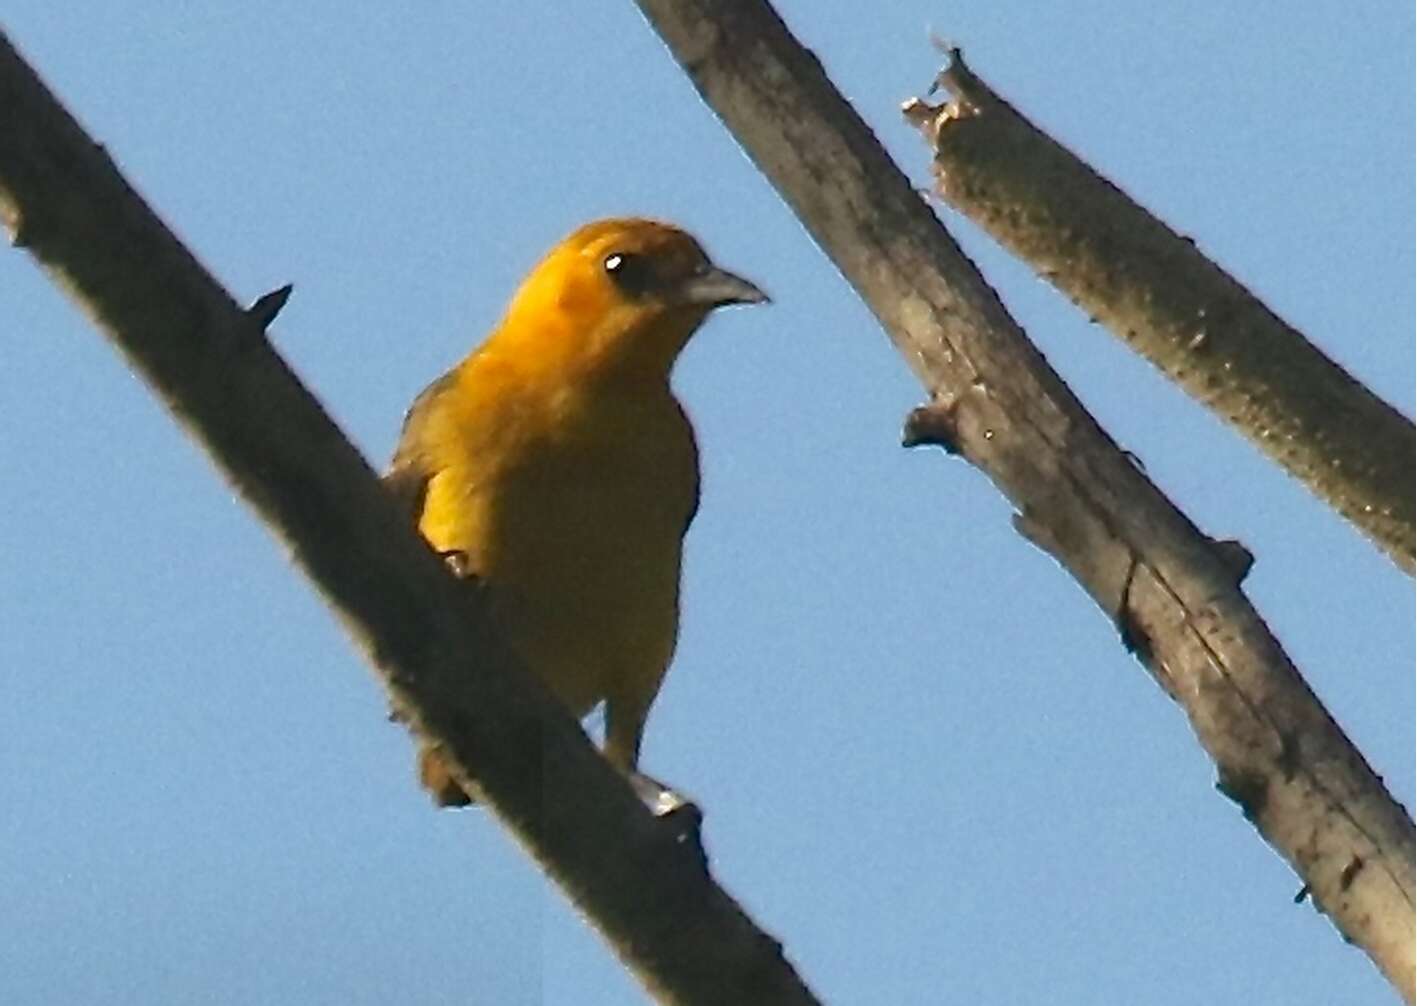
926,763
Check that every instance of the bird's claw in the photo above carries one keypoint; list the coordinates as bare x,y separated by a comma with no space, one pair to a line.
657,797
460,562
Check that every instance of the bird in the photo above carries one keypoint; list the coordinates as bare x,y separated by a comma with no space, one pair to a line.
555,469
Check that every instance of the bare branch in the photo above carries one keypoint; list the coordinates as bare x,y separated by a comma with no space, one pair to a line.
1155,290
267,306
642,881
1173,590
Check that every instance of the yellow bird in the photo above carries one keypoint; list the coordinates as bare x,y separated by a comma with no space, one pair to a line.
555,465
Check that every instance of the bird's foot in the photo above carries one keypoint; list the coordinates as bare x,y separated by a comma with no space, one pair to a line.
655,795
459,562
678,820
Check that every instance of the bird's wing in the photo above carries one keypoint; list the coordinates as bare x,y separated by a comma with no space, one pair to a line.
693,507
411,468
696,492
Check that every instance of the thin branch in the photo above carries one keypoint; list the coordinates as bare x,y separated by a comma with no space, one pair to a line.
1156,292
267,306
642,881
1174,591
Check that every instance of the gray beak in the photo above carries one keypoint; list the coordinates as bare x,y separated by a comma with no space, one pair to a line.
715,287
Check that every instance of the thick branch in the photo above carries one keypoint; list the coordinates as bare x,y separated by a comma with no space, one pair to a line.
642,881
1174,591
1155,290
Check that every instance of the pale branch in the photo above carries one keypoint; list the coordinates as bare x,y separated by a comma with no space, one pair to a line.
1154,290
1173,591
642,881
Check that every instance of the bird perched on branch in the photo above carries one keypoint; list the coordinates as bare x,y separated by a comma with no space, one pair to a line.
555,466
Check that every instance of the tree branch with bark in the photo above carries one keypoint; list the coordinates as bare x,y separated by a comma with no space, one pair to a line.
641,880
1156,291
1173,591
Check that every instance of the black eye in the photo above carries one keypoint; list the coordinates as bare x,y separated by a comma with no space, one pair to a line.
631,273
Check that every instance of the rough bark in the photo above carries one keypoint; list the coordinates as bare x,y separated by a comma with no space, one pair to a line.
642,881
1154,290
1174,592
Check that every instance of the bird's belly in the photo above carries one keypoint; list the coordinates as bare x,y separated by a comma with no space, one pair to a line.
581,567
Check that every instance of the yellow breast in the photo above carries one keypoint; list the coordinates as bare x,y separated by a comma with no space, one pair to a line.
571,507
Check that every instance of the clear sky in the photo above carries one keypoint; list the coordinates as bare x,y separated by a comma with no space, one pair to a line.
927,764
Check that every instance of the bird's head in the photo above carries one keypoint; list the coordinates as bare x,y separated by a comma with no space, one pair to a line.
622,296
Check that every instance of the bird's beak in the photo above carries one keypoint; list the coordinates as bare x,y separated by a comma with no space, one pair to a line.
715,287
